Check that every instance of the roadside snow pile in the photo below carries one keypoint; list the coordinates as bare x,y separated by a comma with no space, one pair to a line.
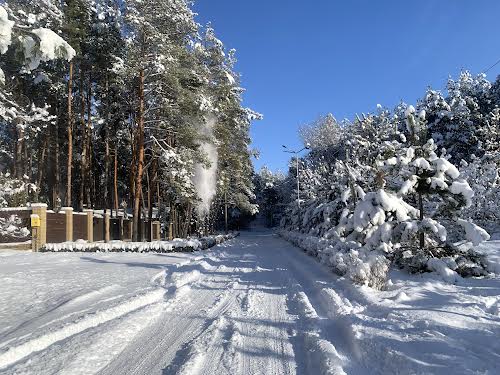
491,251
358,265
371,268
422,325
177,245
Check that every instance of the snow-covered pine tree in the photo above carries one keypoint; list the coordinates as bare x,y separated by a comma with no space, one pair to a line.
405,218
28,48
267,186
455,122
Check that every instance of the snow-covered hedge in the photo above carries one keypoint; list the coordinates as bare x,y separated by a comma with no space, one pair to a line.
177,245
370,268
390,195
358,265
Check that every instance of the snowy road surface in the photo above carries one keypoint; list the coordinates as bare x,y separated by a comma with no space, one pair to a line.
254,305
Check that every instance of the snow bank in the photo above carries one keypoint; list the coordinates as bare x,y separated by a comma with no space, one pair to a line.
370,268
358,265
473,233
177,245
491,250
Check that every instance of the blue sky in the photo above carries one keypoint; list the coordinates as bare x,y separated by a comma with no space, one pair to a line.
301,59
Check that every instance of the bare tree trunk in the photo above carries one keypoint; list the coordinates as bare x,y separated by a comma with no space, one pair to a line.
40,164
57,174
187,224
83,126
150,207
173,213
140,156
70,135
107,154
28,162
88,165
115,182
133,142
18,157
152,189
421,208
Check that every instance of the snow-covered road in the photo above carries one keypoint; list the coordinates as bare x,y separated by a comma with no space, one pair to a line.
254,305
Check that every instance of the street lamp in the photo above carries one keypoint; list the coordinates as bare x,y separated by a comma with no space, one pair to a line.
296,153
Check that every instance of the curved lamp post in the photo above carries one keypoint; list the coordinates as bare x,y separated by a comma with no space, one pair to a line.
296,153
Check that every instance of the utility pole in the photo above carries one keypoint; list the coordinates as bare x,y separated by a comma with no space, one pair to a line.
296,153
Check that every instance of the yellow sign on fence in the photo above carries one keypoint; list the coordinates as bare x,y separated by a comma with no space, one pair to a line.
35,221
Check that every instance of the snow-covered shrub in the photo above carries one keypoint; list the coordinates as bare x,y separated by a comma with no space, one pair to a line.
380,191
358,265
177,245
483,175
12,229
14,192
425,197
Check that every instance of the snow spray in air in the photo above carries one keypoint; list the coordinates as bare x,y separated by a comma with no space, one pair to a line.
205,179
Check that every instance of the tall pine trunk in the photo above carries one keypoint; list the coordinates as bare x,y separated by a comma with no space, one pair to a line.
421,235
70,136
18,156
83,126
115,182
106,145
133,162
57,174
140,157
150,206
89,185
41,163
152,183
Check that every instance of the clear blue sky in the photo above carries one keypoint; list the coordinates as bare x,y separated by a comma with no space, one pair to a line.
301,59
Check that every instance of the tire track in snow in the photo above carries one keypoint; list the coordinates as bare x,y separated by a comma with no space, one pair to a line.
104,350
17,353
321,355
49,317
261,341
210,347
323,318
165,341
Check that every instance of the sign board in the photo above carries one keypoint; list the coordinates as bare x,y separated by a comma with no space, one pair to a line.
35,221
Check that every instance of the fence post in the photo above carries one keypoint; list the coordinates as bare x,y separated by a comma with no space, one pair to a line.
156,227
170,231
68,211
120,224
90,225
40,209
106,226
